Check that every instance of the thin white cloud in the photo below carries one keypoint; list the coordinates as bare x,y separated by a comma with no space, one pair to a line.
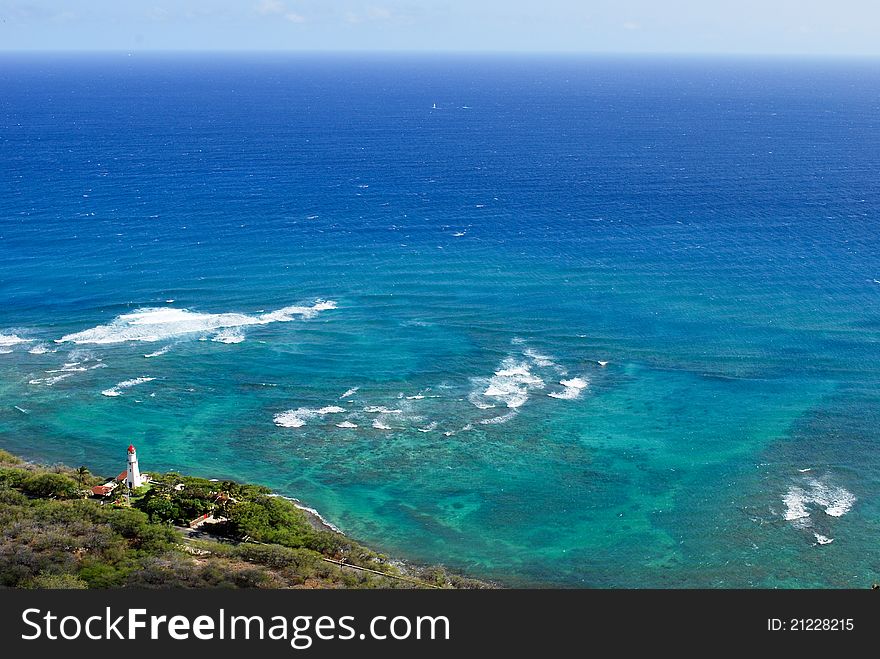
370,14
379,13
64,17
158,14
269,7
279,8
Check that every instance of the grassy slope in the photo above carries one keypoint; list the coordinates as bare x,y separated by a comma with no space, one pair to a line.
51,536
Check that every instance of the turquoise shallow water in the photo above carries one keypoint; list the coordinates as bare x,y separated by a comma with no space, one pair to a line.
707,229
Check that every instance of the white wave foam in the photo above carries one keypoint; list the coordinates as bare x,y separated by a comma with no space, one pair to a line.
504,418
476,399
290,419
40,349
230,335
795,501
331,409
512,383
299,504
160,351
5,351
69,367
291,313
822,539
840,502
378,425
575,383
544,361
573,389
431,426
159,324
50,381
7,340
346,424
350,392
516,370
297,418
314,512
379,409
834,500
125,384
67,370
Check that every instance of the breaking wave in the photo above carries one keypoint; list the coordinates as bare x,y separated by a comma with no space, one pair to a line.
8,340
511,385
230,335
802,500
572,390
67,370
297,418
495,420
125,384
161,324
380,409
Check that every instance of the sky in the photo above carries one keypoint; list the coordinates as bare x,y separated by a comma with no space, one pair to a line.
720,27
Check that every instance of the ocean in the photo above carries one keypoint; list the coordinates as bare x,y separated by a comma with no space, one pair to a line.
547,321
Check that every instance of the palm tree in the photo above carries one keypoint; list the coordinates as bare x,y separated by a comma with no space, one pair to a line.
81,474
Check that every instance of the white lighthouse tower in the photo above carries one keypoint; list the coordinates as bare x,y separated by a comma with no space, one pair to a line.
133,478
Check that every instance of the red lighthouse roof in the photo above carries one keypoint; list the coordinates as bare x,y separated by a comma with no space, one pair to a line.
131,448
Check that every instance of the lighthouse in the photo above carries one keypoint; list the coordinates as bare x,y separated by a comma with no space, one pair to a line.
133,477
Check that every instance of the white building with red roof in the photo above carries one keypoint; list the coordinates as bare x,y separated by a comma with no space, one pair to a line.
132,475
104,490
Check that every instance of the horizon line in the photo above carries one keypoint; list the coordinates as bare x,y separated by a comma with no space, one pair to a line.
427,52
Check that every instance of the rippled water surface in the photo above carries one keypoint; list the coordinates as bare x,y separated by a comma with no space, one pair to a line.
587,323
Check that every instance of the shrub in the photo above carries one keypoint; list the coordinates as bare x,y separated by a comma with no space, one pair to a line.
60,581
9,459
50,485
12,498
12,477
135,526
302,561
160,507
103,575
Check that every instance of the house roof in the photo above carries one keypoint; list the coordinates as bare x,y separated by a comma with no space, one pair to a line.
103,490
121,477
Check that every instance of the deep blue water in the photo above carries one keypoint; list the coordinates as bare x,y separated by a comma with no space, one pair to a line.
709,229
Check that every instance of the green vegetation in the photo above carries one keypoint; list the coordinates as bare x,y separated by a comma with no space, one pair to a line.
54,535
